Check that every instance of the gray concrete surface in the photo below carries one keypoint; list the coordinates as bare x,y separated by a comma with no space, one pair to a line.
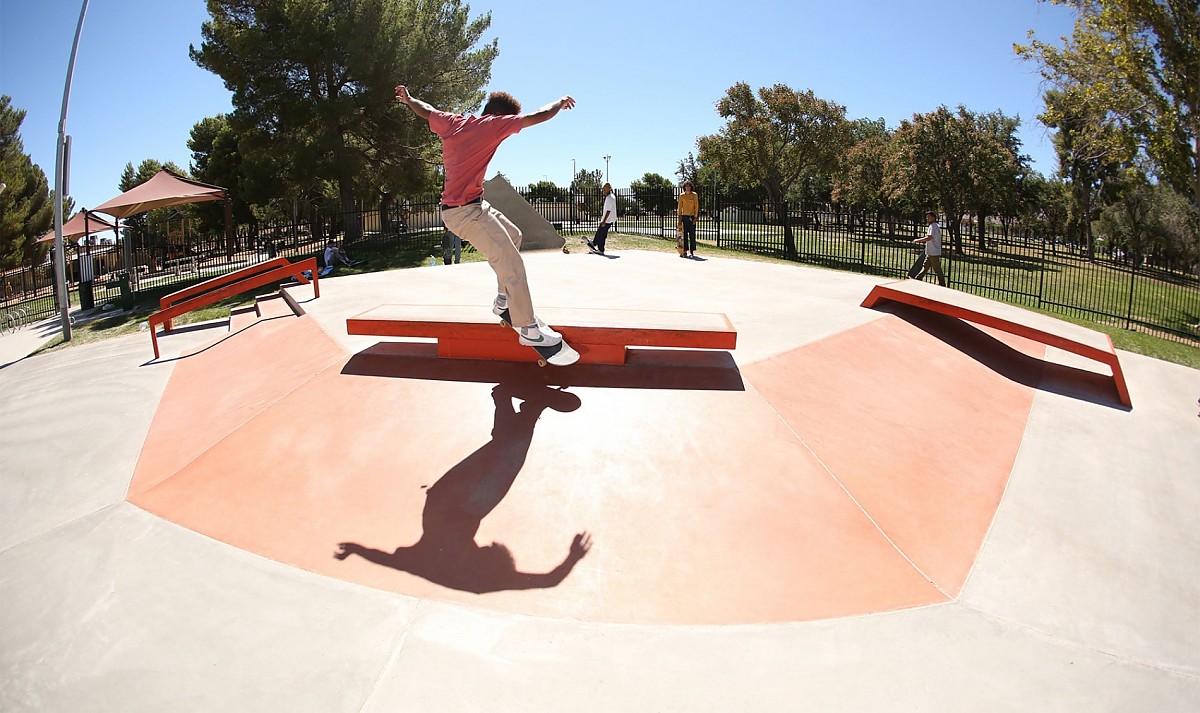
536,232
1084,597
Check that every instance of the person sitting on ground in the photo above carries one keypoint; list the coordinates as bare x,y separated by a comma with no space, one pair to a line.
335,255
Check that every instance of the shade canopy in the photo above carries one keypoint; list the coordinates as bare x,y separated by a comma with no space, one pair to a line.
161,190
85,222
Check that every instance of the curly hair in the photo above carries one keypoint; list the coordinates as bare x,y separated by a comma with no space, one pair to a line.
501,103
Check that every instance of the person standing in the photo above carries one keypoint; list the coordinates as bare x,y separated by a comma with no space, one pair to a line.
451,247
608,216
933,249
689,213
468,145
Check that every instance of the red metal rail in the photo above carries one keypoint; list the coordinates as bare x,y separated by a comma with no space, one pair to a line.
218,288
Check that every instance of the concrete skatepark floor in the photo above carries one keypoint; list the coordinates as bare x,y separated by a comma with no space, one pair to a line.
859,508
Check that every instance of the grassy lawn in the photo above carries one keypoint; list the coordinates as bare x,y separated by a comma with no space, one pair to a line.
825,251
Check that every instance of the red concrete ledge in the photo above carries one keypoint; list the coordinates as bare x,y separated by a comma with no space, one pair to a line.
601,336
971,308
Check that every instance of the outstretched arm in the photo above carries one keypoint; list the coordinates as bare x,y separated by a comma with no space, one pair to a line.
420,108
531,580
547,112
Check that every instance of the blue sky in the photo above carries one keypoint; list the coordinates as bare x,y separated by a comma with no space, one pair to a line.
646,75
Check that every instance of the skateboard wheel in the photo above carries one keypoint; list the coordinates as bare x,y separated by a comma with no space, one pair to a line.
504,323
541,362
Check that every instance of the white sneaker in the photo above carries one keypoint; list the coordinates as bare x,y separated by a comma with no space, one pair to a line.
538,335
499,305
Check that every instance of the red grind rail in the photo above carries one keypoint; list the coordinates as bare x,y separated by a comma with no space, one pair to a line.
970,308
469,333
218,288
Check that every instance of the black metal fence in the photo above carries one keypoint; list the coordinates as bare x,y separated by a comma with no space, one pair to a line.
1140,292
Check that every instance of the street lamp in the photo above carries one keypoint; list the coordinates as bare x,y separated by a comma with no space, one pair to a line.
606,158
60,188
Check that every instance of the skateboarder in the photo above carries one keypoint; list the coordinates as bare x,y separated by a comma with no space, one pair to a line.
933,250
468,144
606,220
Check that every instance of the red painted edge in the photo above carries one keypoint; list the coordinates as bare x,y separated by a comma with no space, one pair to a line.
1109,357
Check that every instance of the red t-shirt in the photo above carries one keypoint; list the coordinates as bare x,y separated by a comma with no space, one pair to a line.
468,144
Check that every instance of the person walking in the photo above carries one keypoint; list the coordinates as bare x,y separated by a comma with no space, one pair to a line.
607,218
933,249
689,213
468,145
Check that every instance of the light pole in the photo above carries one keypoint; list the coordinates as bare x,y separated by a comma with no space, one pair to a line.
606,158
571,185
60,172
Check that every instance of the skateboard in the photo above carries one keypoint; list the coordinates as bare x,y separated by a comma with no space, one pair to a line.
916,268
561,354
679,241
591,247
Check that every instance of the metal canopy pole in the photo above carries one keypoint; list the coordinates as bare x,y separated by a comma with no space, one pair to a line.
60,261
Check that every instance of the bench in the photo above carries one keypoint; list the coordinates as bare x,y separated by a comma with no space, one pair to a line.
601,336
227,285
1040,328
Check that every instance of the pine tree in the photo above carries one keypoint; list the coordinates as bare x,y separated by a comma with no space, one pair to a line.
26,209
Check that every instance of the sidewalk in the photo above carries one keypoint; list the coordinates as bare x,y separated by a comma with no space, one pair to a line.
15,346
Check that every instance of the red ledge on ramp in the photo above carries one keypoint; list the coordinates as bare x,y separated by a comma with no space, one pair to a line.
600,336
970,308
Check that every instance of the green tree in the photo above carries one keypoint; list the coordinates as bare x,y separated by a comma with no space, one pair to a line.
1089,152
654,193
1044,212
546,192
946,159
217,161
587,194
313,85
773,139
150,228
1149,222
859,182
26,204
1134,65
996,166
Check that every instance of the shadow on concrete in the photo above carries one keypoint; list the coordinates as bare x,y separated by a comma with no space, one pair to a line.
1008,362
680,369
446,553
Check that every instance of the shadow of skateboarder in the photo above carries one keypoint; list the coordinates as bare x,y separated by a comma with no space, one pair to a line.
456,504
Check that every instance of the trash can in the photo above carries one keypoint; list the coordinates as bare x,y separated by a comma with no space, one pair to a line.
126,298
87,272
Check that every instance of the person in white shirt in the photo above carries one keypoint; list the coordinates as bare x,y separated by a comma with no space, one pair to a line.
608,217
335,255
933,249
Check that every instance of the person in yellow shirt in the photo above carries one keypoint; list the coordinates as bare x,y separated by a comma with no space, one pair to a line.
689,212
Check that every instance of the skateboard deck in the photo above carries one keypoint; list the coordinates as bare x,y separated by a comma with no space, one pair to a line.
561,354
916,267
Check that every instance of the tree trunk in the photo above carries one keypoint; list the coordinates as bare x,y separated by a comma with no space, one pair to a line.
351,219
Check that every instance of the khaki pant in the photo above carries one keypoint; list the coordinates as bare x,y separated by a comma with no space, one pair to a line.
932,262
500,241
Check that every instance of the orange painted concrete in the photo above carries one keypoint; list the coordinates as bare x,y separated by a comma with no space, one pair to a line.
922,435
712,494
599,335
972,308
